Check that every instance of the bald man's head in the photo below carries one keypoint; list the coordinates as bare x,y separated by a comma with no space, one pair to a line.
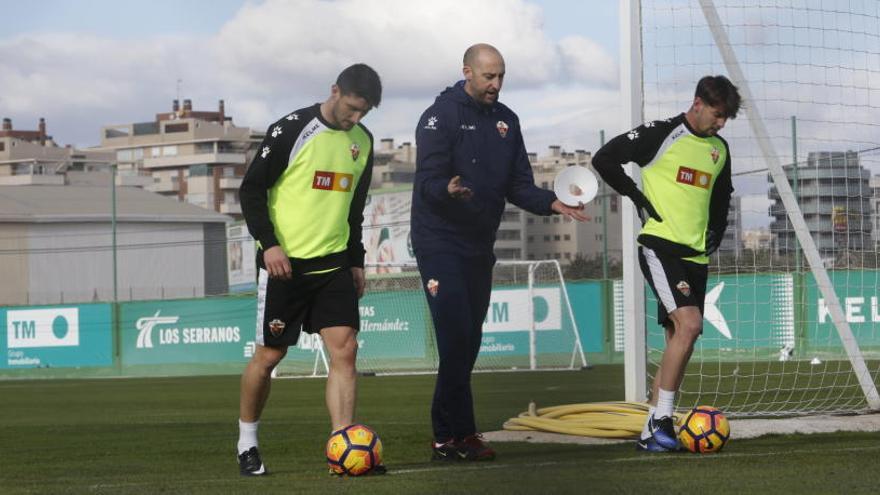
474,52
483,73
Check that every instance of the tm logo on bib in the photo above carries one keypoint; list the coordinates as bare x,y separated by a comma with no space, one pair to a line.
694,177
332,181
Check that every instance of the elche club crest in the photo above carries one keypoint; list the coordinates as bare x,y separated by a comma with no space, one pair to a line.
684,288
276,327
355,151
502,128
715,155
433,287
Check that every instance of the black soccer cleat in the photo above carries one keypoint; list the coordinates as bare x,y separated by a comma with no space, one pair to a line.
444,451
250,463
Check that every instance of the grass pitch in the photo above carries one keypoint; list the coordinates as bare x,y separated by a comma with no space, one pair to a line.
178,435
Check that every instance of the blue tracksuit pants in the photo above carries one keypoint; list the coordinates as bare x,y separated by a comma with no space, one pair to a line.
458,302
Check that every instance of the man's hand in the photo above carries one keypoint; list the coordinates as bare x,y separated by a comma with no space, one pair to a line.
713,241
458,191
642,203
573,212
277,263
360,282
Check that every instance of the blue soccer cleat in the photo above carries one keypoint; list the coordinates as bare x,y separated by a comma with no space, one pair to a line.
662,431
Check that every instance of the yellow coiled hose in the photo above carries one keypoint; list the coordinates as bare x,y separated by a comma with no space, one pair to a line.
596,419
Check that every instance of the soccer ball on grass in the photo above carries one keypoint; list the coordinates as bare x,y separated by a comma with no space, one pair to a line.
354,450
704,430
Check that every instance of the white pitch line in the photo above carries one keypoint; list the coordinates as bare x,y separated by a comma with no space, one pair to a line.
480,466
477,466
725,455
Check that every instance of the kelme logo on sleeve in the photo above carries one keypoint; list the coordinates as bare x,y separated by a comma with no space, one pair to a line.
694,177
332,181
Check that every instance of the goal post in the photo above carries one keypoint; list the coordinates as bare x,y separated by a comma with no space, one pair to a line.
530,324
779,337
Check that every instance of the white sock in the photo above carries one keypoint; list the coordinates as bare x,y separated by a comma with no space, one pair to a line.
645,432
665,403
247,435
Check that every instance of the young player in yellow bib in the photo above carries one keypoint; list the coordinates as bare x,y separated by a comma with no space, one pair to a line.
303,200
687,186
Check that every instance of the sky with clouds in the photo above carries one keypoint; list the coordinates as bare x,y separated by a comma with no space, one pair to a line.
85,64
90,63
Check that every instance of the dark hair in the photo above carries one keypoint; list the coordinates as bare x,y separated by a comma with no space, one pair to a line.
361,80
718,91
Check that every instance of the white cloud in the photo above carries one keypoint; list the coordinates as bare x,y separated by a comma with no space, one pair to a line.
279,55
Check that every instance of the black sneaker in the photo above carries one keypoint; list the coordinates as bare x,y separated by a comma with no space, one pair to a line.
250,463
474,448
444,451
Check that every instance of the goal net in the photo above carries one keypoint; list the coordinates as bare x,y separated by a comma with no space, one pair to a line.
529,324
792,320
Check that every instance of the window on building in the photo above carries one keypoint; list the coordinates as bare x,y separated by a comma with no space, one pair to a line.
199,170
556,219
530,221
204,148
531,238
116,132
614,201
124,155
598,218
546,238
566,219
531,256
155,152
2,146
169,150
180,127
510,216
228,171
508,254
568,256
138,153
598,237
567,237
545,185
557,255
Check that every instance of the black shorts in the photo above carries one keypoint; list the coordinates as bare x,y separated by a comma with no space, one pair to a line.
305,302
675,282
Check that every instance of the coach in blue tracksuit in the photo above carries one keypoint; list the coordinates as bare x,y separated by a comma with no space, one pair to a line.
470,158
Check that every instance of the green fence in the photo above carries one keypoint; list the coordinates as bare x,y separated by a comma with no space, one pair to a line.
750,316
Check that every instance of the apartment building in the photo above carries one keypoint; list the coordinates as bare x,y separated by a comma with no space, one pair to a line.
32,157
559,237
832,190
198,157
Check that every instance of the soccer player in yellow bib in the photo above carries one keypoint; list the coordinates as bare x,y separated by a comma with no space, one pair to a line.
687,185
303,200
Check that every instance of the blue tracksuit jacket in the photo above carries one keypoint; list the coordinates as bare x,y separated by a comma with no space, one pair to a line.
484,145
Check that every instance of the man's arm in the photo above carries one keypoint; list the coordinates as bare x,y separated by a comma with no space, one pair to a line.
356,215
434,146
719,206
522,190
638,145
265,169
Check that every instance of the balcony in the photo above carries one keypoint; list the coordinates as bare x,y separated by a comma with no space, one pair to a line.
230,208
164,187
197,159
230,182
